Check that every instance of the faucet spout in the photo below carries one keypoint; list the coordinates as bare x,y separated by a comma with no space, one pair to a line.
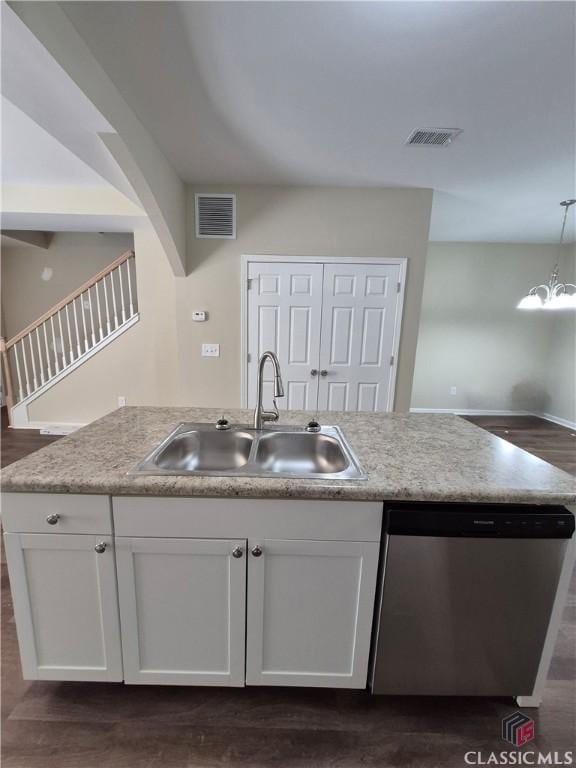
260,415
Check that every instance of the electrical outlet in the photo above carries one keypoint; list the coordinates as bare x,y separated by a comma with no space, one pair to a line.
210,350
121,401
452,390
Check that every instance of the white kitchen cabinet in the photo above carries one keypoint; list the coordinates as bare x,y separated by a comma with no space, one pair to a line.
182,608
65,605
310,608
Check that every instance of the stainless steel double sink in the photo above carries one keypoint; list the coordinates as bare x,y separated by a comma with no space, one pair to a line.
240,451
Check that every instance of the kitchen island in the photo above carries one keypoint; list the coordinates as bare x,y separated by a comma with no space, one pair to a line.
216,580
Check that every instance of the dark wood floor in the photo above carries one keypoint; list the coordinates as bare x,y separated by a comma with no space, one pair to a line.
90,725
17,443
548,441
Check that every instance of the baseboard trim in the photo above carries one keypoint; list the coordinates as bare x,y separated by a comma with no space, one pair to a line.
472,412
482,412
557,420
50,428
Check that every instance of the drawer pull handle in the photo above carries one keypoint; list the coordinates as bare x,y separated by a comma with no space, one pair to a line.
257,550
100,548
53,518
237,552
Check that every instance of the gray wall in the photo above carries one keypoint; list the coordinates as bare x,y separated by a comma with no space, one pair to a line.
34,279
473,338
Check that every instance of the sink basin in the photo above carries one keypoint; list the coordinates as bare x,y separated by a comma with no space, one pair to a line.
300,453
285,451
213,451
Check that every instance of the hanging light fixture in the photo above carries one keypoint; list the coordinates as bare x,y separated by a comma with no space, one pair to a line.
553,294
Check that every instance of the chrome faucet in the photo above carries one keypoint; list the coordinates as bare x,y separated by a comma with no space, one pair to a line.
260,415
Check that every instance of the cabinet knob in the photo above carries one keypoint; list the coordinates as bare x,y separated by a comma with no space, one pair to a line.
323,372
314,372
257,550
53,518
237,552
100,547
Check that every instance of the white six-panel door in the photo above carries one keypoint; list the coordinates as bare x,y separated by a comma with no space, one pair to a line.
334,327
284,314
309,617
65,605
359,308
182,609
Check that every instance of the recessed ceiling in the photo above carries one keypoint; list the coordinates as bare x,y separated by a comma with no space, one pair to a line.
326,93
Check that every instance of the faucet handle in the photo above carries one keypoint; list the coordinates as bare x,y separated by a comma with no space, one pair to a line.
276,411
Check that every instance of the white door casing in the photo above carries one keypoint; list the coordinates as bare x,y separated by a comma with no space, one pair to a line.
345,326
284,316
65,606
182,609
310,610
359,309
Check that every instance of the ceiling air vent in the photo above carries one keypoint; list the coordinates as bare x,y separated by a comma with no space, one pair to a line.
433,137
216,216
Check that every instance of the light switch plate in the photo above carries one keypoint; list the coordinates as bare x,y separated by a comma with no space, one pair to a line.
210,350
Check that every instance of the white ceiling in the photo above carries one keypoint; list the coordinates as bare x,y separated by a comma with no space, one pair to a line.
34,82
30,155
326,93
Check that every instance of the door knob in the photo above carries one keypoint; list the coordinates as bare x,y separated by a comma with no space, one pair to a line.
323,372
53,518
100,547
257,550
314,372
237,552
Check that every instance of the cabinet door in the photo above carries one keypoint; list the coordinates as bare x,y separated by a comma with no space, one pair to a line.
310,610
65,606
182,610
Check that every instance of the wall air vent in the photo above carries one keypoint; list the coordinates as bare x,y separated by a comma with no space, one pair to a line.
216,216
432,137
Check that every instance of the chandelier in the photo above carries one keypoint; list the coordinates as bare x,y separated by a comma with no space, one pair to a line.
554,294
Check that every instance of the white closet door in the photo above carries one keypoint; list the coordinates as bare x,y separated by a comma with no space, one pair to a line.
284,316
360,302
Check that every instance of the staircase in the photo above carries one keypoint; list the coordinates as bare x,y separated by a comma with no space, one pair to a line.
74,330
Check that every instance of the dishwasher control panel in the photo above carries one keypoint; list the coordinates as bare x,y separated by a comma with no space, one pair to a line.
495,520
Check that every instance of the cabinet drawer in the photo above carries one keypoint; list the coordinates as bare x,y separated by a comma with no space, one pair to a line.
29,513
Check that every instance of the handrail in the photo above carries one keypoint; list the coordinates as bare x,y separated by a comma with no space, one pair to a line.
71,296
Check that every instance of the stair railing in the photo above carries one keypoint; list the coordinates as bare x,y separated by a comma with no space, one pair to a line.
70,330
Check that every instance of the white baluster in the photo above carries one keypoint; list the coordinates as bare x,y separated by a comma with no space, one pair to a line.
33,359
56,361
99,312
47,351
130,286
84,322
64,363
78,347
91,317
71,343
122,301
18,372
40,359
106,305
114,300
26,376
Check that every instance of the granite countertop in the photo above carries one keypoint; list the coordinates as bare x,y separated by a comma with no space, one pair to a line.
425,457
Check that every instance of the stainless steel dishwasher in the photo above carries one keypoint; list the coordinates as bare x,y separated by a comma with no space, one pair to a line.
466,595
